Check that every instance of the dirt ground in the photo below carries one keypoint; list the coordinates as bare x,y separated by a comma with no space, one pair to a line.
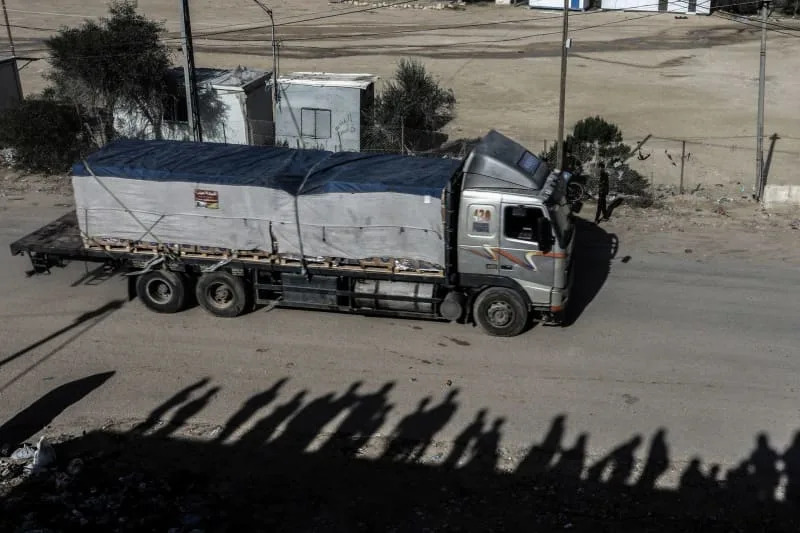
691,79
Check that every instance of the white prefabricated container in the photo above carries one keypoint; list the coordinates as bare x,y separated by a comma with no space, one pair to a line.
574,5
690,7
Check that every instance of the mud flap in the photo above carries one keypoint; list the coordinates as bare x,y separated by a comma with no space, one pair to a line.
131,288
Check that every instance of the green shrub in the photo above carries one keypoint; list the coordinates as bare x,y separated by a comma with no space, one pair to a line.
46,135
579,151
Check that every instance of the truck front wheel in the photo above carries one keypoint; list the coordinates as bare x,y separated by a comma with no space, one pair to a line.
162,291
501,312
221,294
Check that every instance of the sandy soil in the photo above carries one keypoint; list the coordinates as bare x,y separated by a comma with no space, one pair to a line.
689,79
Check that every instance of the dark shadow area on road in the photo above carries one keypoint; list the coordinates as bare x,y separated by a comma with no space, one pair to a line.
273,479
594,250
98,313
40,413
95,276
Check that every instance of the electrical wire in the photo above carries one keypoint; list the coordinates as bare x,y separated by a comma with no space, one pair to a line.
770,26
460,26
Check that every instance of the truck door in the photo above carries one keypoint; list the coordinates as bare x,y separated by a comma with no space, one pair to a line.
479,238
521,257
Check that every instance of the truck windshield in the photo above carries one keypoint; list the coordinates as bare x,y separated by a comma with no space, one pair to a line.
562,222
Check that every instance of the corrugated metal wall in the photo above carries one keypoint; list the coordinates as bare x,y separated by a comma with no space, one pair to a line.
323,117
10,91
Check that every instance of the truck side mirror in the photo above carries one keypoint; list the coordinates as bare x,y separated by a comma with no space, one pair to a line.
544,234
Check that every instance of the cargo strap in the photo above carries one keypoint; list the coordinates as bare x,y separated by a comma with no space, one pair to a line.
157,260
215,266
121,203
303,268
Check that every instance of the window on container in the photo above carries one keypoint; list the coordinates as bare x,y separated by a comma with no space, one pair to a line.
315,123
519,222
175,109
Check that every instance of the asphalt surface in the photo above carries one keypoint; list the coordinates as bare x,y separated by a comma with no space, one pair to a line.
707,351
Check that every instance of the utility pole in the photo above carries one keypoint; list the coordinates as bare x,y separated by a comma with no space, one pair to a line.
8,29
189,75
761,81
561,103
275,96
683,160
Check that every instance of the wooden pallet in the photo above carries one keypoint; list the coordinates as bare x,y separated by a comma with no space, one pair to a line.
378,265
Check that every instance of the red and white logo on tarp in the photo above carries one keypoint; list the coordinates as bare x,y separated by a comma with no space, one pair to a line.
206,198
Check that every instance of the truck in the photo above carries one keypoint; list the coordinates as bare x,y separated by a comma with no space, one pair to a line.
486,240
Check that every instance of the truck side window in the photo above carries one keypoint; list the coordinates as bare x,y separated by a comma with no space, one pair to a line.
520,222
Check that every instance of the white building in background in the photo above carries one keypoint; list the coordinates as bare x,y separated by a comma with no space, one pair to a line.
689,7
574,5
235,108
322,110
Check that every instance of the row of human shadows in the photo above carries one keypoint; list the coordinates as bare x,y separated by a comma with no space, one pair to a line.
477,446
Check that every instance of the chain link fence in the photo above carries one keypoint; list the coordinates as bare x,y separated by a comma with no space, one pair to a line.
671,163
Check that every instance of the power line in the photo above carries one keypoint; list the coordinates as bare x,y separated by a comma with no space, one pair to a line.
327,16
755,25
310,19
421,30
80,16
737,18
462,43
31,28
449,27
414,30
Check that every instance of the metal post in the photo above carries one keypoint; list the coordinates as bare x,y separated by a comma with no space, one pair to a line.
561,103
275,96
761,80
8,29
403,135
189,75
683,159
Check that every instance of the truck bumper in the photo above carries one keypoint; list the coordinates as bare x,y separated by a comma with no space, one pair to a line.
559,298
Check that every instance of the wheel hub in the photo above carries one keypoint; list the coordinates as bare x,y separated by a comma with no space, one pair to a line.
159,291
221,295
500,314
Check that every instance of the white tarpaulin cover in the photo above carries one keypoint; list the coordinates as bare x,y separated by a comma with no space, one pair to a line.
243,198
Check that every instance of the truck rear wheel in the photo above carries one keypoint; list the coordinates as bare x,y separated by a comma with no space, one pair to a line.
221,294
162,291
501,312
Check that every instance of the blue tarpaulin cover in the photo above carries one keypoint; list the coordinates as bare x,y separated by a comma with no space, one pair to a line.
271,167
350,205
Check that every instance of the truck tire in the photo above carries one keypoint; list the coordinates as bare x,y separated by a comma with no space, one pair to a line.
501,312
162,291
221,294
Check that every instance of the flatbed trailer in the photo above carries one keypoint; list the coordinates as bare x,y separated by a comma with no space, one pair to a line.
274,281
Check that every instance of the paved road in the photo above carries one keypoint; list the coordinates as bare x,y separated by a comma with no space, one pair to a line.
707,351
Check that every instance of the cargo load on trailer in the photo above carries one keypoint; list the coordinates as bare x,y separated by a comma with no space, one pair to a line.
233,199
487,240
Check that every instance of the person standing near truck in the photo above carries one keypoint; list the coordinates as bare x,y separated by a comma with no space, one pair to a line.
602,193
603,209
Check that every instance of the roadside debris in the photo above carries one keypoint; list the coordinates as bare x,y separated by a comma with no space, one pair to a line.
25,453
